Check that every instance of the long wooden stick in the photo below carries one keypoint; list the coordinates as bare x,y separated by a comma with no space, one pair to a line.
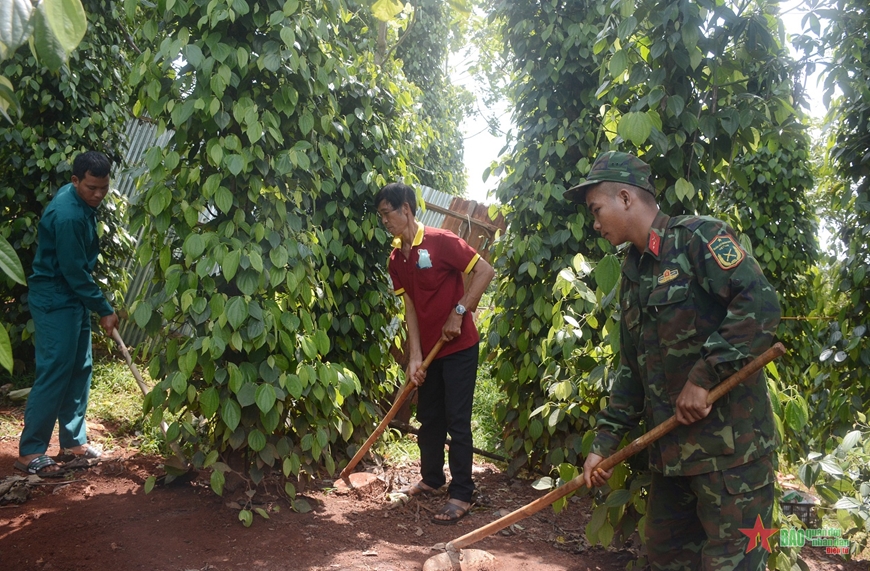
633,448
145,389
400,400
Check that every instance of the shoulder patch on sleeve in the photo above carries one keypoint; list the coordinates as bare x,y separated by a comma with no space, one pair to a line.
726,251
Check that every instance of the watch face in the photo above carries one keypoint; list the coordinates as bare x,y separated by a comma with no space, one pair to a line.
460,309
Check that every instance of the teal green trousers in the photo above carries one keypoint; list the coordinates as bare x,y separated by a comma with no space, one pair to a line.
63,370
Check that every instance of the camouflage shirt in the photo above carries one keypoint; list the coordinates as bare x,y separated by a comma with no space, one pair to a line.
695,306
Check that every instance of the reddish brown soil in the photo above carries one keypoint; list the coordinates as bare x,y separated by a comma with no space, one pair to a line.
101,518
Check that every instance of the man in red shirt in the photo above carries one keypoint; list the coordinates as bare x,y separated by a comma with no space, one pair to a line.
428,268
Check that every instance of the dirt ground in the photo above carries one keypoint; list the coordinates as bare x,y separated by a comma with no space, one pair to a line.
101,518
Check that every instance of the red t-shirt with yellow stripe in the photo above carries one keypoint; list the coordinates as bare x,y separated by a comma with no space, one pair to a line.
433,276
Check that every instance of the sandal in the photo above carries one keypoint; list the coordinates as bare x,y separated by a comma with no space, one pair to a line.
38,465
418,489
453,511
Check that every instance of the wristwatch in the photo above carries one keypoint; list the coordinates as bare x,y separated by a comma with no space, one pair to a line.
460,309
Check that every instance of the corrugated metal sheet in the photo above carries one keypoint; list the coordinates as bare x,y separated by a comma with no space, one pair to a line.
432,196
141,136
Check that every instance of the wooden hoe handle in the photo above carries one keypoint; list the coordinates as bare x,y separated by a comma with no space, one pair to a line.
176,448
633,448
400,400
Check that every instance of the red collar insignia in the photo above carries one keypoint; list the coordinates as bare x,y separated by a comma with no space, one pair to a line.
655,243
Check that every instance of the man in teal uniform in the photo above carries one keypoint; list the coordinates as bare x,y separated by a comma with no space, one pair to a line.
61,298
695,307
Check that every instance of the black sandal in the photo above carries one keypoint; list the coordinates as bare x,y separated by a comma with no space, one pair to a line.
38,465
453,511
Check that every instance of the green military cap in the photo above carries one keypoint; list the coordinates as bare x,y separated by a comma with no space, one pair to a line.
614,166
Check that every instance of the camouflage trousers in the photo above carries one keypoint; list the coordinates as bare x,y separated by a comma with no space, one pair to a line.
693,522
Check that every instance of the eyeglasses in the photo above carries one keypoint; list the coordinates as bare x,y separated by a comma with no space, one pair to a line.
382,214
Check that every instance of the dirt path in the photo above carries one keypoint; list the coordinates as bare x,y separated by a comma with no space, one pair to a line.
102,519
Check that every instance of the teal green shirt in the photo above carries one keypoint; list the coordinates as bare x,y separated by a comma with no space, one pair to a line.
68,249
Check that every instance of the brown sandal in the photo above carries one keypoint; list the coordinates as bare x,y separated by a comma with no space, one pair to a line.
453,511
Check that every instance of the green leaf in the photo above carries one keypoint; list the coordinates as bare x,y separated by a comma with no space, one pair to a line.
607,273
563,390
321,340
850,440
193,54
599,517
618,498
605,534
618,64
386,10
142,314
831,467
236,311
231,414
9,105
209,401
247,394
178,383
626,28
265,397
308,347
847,503
236,164
635,127
49,50
256,440
248,281
149,483
194,245
690,35
535,429
217,481
6,360
808,474
796,415
306,123
9,262
676,104
684,189
230,264
181,113
67,21
16,25
246,517
301,506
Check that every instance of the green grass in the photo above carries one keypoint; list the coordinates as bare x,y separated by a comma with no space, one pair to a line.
487,432
398,448
8,426
115,401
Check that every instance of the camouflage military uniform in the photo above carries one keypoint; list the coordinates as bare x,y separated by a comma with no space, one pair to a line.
696,307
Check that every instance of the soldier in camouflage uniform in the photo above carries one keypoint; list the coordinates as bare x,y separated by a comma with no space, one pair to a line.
695,308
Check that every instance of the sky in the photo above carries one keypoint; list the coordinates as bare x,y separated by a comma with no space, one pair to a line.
482,148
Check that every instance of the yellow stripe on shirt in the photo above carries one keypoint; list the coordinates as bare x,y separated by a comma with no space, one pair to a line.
470,265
